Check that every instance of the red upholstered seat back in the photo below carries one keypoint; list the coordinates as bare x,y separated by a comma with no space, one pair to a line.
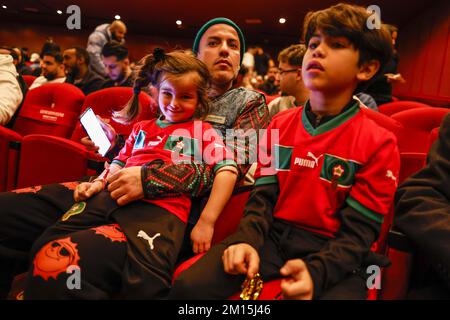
9,156
52,109
104,102
399,106
28,79
417,124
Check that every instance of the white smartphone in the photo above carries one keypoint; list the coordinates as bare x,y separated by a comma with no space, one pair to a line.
94,130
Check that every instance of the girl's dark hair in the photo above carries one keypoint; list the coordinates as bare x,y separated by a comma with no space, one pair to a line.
350,21
154,67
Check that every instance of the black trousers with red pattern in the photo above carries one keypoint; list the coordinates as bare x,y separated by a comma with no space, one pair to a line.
135,263
24,215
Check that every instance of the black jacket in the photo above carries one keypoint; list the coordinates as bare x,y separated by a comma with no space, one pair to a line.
422,210
91,82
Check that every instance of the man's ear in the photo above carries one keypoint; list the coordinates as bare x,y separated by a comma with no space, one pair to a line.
126,61
367,70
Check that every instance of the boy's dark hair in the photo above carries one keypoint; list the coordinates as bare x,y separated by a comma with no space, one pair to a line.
55,54
391,28
81,52
293,55
114,48
350,21
151,70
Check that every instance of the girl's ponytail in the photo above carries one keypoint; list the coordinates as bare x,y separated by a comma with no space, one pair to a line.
145,75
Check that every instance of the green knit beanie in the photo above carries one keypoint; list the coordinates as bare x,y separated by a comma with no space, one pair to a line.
214,21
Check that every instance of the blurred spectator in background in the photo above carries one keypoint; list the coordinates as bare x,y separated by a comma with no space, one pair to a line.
10,92
76,63
97,40
261,61
381,88
117,65
52,70
270,85
293,91
248,61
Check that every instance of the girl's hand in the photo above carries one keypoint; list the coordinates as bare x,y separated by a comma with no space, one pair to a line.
86,190
201,236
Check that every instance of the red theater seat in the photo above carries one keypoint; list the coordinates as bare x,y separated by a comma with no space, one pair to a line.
48,159
51,159
398,106
417,125
28,79
52,109
105,102
9,157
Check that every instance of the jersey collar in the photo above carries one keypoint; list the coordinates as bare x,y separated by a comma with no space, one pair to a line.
331,124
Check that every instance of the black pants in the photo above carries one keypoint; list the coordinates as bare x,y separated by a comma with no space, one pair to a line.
136,264
24,215
206,279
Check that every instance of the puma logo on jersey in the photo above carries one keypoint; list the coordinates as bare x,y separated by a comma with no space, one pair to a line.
308,163
390,175
145,236
155,142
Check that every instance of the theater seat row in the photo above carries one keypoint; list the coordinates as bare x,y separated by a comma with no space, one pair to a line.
44,144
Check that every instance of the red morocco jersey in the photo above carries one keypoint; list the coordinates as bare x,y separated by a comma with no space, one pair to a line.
174,142
347,160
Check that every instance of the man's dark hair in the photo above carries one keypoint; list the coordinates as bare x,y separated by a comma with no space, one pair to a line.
55,54
81,52
49,46
114,48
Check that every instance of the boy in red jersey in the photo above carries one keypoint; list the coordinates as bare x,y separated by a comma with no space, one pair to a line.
319,204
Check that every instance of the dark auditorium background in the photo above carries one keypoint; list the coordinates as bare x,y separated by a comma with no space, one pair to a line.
423,43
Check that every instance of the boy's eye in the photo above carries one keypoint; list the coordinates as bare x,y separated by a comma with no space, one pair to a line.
338,45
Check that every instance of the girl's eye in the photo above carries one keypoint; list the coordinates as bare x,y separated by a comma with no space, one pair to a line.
313,45
166,94
187,97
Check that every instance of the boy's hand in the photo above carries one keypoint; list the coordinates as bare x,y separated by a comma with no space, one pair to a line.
241,258
86,190
299,284
201,236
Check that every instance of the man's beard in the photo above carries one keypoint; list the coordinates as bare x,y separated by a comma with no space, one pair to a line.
50,76
114,37
74,72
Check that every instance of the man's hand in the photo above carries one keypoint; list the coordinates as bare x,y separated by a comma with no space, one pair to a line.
126,185
299,284
241,259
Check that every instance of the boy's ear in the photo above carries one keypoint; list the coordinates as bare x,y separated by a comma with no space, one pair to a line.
298,75
367,70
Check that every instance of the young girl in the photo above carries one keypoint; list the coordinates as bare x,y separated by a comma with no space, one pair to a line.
138,262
